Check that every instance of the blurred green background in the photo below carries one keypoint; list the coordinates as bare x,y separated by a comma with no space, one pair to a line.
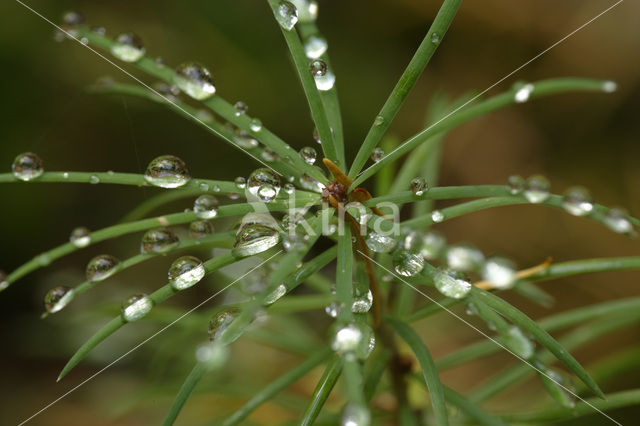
586,139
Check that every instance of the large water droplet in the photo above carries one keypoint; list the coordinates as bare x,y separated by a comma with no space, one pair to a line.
136,307
451,286
522,95
433,245
355,415
158,240
276,294
185,272
377,154
194,80
265,184
537,190
577,201
362,299
617,220
353,341
286,15
221,321
499,271
102,267
128,47
206,206
308,154
518,343
464,257
609,86
315,47
419,186
437,216
516,184
167,171
200,228
253,239
323,76
80,237
380,243
408,264
57,298
27,166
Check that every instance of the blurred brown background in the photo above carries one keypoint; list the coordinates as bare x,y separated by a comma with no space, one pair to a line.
586,139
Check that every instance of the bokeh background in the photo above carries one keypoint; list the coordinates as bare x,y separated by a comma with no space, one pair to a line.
587,139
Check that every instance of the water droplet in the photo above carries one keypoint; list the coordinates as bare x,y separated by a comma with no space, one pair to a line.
265,219
276,294
221,321
245,140
577,201
286,15
102,267
419,186
99,30
518,343
537,190
27,166
289,188
353,340
310,184
435,38
407,264
167,92
437,216
128,47
499,271
200,228
255,125
291,221
412,241
464,257
377,154
308,154
522,95
433,245
269,155
93,179
323,77
332,309
617,220
609,86
206,206
241,108
307,10
380,243
57,298
185,272
451,286
516,184
84,41
71,20
555,382
316,135
378,121
65,175
167,171
80,237
136,307
355,415
241,183
362,299
194,80
4,282
158,240
315,47
265,184
253,239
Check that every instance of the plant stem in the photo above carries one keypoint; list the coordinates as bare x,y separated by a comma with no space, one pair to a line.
183,394
316,105
464,114
417,64
322,391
